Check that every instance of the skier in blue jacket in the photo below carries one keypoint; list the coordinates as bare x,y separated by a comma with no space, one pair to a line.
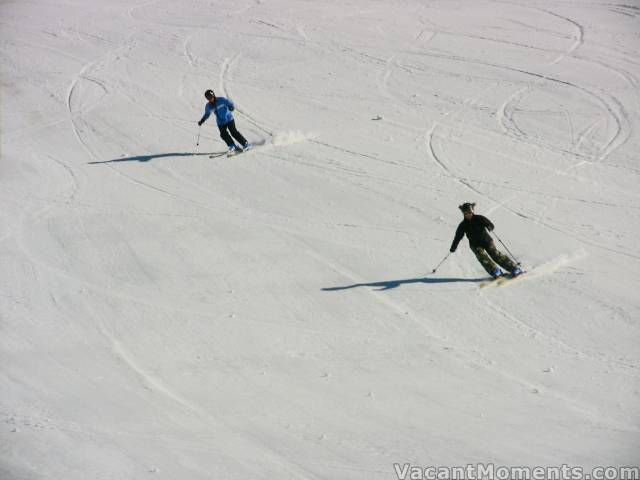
223,107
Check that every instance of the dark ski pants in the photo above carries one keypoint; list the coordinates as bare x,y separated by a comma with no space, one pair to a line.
489,255
231,128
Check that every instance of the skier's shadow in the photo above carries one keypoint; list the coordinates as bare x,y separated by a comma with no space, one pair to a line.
389,284
147,158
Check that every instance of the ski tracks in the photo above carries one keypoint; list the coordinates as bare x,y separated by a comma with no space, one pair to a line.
612,107
186,51
129,13
75,184
506,111
75,115
431,136
578,405
224,81
556,343
393,62
578,36
227,435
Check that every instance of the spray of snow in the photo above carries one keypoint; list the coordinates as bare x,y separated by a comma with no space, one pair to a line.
290,137
560,261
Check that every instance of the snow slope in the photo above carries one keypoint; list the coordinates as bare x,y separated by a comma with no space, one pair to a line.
164,314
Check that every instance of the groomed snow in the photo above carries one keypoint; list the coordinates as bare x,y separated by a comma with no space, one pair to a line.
168,315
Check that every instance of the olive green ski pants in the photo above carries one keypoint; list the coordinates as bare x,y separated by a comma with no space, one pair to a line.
488,256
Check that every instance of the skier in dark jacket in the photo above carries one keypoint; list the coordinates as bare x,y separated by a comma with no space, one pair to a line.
475,227
222,107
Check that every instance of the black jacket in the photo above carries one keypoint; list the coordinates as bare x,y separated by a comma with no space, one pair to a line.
476,231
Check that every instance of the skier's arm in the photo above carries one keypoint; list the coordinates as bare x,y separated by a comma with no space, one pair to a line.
232,107
487,223
457,238
207,113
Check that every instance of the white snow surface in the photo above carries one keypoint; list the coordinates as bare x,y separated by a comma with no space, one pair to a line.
168,315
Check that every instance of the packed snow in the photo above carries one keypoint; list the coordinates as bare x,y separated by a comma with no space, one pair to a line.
168,312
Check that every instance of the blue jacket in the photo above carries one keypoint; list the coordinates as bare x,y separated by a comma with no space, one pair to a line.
222,109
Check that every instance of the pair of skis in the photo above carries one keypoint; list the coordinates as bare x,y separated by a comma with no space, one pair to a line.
230,153
503,280
238,150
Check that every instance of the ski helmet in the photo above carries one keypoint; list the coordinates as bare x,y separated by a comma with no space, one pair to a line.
467,207
209,94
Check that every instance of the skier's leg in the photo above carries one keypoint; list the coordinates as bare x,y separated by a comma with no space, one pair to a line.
225,135
236,134
500,258
485,260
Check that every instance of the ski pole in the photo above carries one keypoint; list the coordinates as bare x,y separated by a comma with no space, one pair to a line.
506,248
441,262
198,141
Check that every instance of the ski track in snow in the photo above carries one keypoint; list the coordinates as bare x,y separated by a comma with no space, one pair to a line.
578,36
611,104
612,107
393,62
225,72
129,12
248,443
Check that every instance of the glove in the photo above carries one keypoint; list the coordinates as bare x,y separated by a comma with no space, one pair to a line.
200,122
452,250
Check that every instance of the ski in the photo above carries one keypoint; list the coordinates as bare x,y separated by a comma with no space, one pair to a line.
239,150
503,280
232,153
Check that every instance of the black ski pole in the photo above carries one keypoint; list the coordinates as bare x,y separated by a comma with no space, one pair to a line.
441,262
198,141
506,248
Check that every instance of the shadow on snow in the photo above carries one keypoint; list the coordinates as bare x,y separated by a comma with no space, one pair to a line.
388,284
146,158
